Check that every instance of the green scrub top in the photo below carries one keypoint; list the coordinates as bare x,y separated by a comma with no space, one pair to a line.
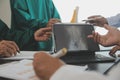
22,38
33,14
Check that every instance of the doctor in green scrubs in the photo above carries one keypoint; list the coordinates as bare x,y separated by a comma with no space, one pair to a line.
33,15
17,36
24,38
10,41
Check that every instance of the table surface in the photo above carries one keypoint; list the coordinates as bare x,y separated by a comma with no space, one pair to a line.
99,67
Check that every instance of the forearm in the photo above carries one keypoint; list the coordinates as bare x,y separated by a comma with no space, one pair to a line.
24,39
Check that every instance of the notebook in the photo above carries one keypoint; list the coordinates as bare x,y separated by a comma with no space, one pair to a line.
73,36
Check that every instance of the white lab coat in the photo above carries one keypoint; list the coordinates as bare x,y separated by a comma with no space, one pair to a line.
114,20
69,72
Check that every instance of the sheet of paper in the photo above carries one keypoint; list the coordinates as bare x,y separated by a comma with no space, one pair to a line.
18,70
23,55
22,70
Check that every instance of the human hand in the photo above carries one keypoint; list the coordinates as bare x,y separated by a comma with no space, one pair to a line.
110,39
43,34
52,21
45,65
113,51
8,48
97,20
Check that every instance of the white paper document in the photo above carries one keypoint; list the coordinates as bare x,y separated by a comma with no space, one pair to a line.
21,70
23,55
18,70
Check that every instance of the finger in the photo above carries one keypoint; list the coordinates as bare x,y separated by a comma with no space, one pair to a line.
48,33
3,53
15,47
10,51
114,49
51,23
90,36
11,48
6,49
94,36
45,39
45,36
39,57
41,39
47,29
58,20
93,23
6,53
36,59
98,38
55,19
35,66
94,16
42,31
91,17
106,26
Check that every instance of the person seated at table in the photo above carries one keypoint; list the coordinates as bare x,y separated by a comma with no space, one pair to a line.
49,68
8,46
24,39
32,15
100,20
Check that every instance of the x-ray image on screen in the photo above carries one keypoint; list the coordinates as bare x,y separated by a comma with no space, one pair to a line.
74,37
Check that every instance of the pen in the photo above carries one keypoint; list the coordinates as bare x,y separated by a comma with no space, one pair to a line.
112,55
118,55
18,51
87,20
115,64
60,53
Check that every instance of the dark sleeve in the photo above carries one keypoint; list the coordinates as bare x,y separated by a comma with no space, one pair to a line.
24,39
3,30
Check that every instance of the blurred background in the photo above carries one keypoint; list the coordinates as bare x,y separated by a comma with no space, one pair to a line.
87,8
